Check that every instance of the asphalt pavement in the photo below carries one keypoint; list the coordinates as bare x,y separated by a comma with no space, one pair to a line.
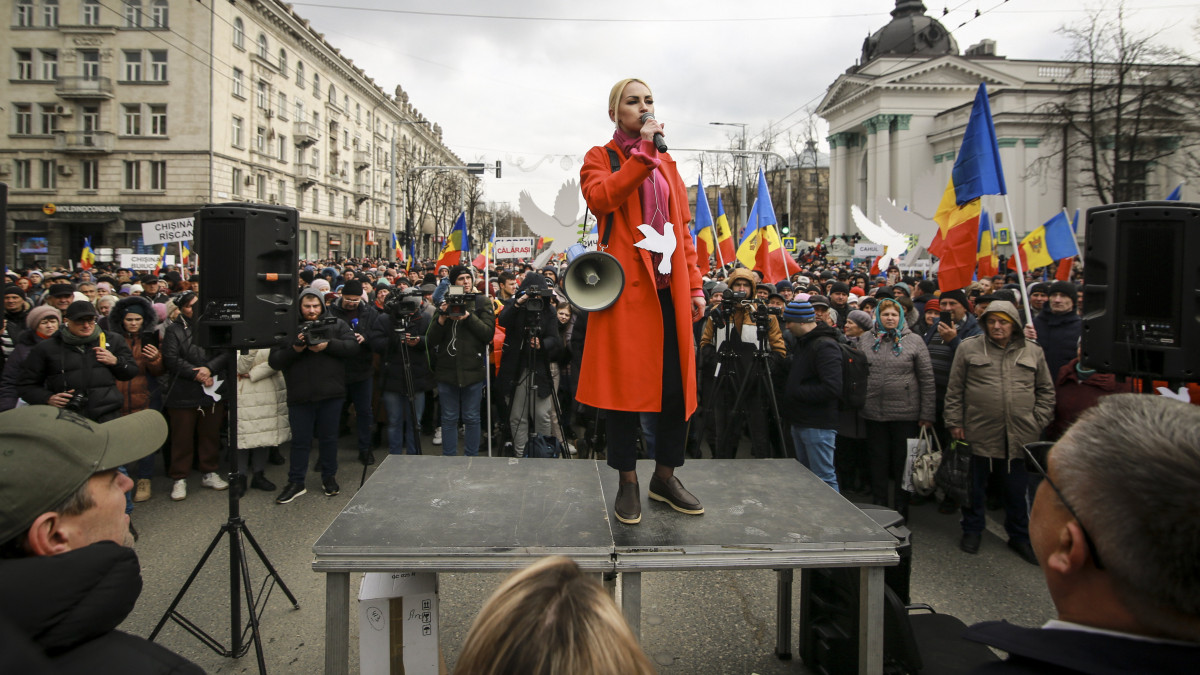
693,622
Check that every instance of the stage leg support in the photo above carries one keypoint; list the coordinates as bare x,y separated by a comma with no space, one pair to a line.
870,620
337,623
631,601
783,614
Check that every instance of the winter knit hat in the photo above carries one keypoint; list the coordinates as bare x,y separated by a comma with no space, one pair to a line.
36,315
861,319
14,290
1063,287
352,287
839,287
956,295
933,304
799,311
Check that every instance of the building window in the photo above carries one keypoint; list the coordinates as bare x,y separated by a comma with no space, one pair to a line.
317,85
237,83
332,95
131,116
237,132
89,64
281,192
262,46
282,148
91,118
25,14
299,73
282,108
89,174
158,175
24,119
260,95
260,140
158,120
133,175
239,33
133,13
24,169
283,63
1130,183
158,65
332,203
50,13
260,187
24,64
358,113
91,12
49,64
48,119
133,65
49,171
299,110
345,205
158,14
316,199
237,183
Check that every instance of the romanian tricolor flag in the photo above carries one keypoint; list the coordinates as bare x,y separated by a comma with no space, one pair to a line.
87,258
481,260
987,259
185,253
725,250
704,232
1063,273
976,172
399,251
457,244
162,260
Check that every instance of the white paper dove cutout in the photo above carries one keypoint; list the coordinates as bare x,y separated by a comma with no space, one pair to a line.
562,225
212,391
1181,395
895,242
659,243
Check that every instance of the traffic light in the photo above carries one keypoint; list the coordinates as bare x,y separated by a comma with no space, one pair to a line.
497,168
785,228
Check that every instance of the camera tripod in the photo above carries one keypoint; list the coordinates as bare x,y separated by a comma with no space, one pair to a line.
409,397
532,331
239,570
727,378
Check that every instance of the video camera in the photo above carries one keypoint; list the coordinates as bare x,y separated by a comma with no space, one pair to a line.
731,300
402,307
537,299
457,301
317,331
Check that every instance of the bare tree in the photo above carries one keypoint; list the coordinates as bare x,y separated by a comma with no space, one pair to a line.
1127,104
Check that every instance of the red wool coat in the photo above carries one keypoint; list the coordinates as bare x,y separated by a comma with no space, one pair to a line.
622,355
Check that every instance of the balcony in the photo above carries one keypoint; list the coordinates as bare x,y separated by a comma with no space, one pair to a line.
362,159
362,192
307,174
305,134
84,142
75,87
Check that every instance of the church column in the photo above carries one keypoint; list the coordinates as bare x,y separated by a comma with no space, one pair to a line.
872,166
837,180
883,175
902,161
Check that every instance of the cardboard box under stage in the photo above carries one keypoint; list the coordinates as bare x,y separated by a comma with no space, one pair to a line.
398,624
484,514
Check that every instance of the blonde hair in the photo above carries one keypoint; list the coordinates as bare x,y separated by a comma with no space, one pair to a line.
614,96
547,619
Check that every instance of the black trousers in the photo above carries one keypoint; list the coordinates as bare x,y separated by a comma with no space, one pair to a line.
670,434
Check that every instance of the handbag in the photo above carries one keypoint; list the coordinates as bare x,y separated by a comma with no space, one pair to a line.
925,461
543,447
954,474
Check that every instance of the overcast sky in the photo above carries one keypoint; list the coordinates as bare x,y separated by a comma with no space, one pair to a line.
526,82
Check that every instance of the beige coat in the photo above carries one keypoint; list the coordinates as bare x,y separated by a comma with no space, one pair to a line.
262,402
997,393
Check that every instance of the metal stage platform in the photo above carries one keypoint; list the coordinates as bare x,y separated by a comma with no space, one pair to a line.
491,514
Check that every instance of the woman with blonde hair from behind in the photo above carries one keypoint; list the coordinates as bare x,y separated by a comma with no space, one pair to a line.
548,619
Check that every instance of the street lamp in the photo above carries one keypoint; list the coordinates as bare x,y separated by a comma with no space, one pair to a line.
742,165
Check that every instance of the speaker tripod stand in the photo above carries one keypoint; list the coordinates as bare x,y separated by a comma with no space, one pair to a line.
239,569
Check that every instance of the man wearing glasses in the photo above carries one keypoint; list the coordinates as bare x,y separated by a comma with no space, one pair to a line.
1114,525
999,396
78,368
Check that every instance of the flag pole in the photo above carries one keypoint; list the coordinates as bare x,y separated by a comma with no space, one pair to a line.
487,353
1020,267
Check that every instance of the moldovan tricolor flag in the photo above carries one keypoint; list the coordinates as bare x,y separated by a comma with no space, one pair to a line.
1052,241
761,247
987,259
704,233
397,248
185,252
457,244
162,260
87,258
725,250
481,260
976,172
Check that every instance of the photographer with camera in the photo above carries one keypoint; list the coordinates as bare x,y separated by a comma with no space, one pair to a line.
360,316
531,341
398,336
78,367
734,334
314,368
457,340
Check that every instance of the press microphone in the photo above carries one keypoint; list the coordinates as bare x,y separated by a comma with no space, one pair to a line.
658,138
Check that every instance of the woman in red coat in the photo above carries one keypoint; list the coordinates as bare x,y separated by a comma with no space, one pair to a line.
638,355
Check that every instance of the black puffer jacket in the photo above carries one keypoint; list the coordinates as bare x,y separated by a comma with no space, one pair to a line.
1058,336
70,605
316,376
182,356
54,366
358,366
517,351
815,380
12,369
387,344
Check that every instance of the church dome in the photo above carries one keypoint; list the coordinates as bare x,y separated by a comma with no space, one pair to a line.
909,32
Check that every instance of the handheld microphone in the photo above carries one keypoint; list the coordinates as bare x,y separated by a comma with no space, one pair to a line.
658,138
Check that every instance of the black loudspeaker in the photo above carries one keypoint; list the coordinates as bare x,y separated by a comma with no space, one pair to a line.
247,267
1141,293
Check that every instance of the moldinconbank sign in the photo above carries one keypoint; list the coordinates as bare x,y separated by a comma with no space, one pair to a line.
167,231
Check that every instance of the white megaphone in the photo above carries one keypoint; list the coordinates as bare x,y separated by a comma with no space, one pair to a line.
593,280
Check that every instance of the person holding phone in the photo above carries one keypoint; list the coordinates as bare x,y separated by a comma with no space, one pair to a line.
954,323
135,320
